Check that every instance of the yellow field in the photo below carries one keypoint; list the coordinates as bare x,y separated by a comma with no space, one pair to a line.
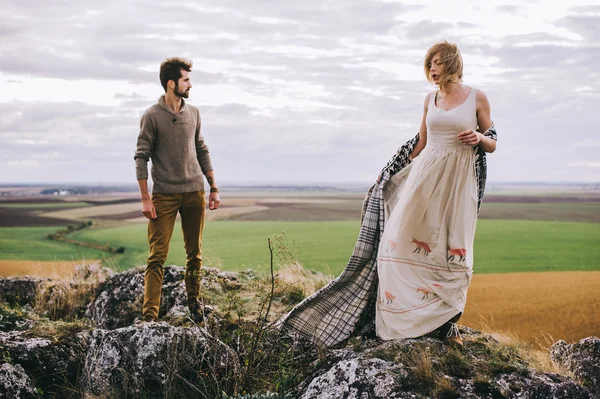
535,307
55,270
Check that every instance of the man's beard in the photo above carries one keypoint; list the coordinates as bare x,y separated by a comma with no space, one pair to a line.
184,94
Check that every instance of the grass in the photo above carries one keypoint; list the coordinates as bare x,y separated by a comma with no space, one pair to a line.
322,246
501,246
30,243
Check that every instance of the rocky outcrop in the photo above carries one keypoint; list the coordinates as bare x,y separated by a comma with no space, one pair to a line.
15,383
156,358
20,290
582,358
15,319
427,367
119,299
110,355
52,362
92,273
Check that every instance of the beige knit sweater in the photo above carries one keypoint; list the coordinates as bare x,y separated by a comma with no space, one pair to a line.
176,147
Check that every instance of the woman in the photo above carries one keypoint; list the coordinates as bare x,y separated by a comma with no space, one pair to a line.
410,278
425,257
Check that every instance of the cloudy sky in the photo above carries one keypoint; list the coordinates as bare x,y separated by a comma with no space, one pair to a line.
293,91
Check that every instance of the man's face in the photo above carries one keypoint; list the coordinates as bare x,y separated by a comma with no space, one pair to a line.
183,86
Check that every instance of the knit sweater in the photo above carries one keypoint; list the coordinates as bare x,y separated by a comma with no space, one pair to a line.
179,154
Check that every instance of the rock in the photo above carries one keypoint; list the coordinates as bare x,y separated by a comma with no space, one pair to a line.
20,290
156,358
15,383
15,319
356,377
582,358
120,298
541,386
51,364
429,368
92,273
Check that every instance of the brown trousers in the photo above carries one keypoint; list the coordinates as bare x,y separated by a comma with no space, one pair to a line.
191,207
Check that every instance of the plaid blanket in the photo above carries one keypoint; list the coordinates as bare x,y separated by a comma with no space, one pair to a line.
346,306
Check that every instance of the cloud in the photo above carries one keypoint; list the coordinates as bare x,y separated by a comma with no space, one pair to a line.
587,26
592,164
290,91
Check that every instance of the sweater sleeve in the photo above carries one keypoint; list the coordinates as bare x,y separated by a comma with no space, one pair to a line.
145,143
202,149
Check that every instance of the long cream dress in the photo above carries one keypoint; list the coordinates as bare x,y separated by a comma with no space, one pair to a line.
425,258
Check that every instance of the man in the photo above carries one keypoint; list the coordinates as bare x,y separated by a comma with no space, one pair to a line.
170,136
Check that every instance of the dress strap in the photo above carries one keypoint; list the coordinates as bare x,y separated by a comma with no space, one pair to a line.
473,94
432,100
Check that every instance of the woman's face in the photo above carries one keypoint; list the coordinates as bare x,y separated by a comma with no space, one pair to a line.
436,68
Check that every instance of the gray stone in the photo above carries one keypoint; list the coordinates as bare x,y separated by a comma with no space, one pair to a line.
52,365
154,357
120,298
20,290
15,383
381,371
92,273
355,378
582,358
541,386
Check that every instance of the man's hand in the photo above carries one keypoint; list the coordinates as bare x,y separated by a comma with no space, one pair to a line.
148,208
213,201
470,137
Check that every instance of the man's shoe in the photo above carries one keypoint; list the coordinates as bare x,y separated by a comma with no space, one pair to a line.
196,310
145,319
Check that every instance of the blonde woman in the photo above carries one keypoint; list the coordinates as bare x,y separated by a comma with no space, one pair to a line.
413,260
425,259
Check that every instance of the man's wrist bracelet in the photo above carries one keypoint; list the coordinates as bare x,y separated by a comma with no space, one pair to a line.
214,189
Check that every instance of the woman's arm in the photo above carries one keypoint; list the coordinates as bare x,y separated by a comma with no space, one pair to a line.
422,131
484,121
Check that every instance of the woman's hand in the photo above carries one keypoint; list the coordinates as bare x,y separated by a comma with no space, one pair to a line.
470,137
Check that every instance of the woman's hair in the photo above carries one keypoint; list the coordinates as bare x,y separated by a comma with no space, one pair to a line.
171,68
450,55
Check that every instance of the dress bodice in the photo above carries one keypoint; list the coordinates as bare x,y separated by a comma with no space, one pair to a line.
443,126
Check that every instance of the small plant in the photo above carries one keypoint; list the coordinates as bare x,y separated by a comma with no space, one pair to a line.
444,389
455,364
59,331
12,318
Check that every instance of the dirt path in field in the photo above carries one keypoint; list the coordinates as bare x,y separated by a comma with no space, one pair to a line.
54,269
535,307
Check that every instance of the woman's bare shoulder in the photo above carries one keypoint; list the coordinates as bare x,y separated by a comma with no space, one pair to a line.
481,96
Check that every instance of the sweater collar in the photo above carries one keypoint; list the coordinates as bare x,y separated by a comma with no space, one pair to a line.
163,104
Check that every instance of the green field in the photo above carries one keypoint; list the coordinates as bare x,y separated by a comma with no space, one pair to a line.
30,243
500,245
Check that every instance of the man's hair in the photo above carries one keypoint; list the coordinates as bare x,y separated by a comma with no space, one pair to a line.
171,68
452,59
